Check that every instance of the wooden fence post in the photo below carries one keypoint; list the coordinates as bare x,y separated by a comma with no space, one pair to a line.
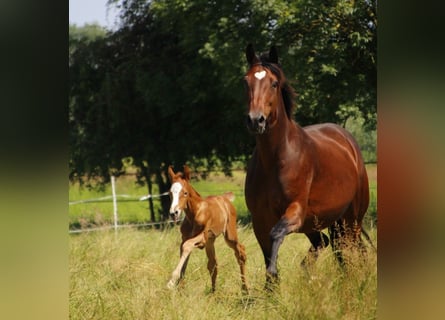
113,189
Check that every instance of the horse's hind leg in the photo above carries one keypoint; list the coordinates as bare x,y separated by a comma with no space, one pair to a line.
345,234
212,265
319,241
231,238
337,235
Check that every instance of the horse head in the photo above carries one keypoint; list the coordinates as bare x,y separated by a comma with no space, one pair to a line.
179,191
267,91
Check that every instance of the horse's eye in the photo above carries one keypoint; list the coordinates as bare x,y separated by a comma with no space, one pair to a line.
275,84
186,193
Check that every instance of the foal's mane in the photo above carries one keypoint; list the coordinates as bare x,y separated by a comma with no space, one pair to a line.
287,92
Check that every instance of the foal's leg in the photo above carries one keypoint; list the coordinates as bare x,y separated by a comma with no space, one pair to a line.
187,248
184,266
186,231
231,238
212,265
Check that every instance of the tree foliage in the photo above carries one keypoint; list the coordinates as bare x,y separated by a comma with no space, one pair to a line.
165,88
335,60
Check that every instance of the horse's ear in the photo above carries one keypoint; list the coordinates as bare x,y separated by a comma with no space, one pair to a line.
186,172
171,174
273,55
250,55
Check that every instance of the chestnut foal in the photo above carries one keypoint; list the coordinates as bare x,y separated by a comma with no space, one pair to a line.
205,219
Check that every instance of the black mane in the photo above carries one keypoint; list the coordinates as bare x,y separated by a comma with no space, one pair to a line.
287,92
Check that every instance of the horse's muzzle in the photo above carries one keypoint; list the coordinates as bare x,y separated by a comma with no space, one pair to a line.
257,124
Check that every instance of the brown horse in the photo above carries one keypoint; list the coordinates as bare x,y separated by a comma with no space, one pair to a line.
298,179
205,219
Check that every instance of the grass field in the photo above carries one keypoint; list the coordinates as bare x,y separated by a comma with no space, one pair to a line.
123,275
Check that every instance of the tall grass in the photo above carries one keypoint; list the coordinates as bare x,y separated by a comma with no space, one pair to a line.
124,276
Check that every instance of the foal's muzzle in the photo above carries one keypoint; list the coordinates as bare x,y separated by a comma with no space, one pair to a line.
256,124
174,214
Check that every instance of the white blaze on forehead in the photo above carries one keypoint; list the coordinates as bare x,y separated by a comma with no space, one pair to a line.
175,190
260,75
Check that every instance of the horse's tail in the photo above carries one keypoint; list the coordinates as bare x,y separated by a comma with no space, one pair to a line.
230,196
369,239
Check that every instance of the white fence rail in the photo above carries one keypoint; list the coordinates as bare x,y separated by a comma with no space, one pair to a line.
115,198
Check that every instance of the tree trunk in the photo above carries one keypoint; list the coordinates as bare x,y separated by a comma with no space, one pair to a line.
147,175
150,199
164,186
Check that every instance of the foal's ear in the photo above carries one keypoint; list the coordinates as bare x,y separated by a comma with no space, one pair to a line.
186,172
171,174
250,55
273,55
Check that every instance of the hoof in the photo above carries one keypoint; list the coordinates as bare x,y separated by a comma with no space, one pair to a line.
171,284
272,281
244,289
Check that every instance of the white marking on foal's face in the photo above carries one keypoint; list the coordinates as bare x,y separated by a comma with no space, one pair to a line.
175,190
260,75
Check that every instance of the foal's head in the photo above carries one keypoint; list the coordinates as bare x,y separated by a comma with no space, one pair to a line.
179,191
267,89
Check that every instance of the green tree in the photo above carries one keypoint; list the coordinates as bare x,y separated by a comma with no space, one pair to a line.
150,97
332,53
166,87
86,79
328,49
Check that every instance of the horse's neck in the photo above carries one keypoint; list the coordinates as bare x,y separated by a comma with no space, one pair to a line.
193,203
272,144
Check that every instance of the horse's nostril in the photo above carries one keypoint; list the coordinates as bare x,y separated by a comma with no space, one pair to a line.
256,123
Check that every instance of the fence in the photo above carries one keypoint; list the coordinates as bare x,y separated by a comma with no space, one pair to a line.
115,198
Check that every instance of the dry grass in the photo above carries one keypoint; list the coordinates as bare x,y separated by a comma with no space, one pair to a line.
124,276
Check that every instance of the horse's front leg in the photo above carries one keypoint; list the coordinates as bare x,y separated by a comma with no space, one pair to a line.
186,231
291,221
187,248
